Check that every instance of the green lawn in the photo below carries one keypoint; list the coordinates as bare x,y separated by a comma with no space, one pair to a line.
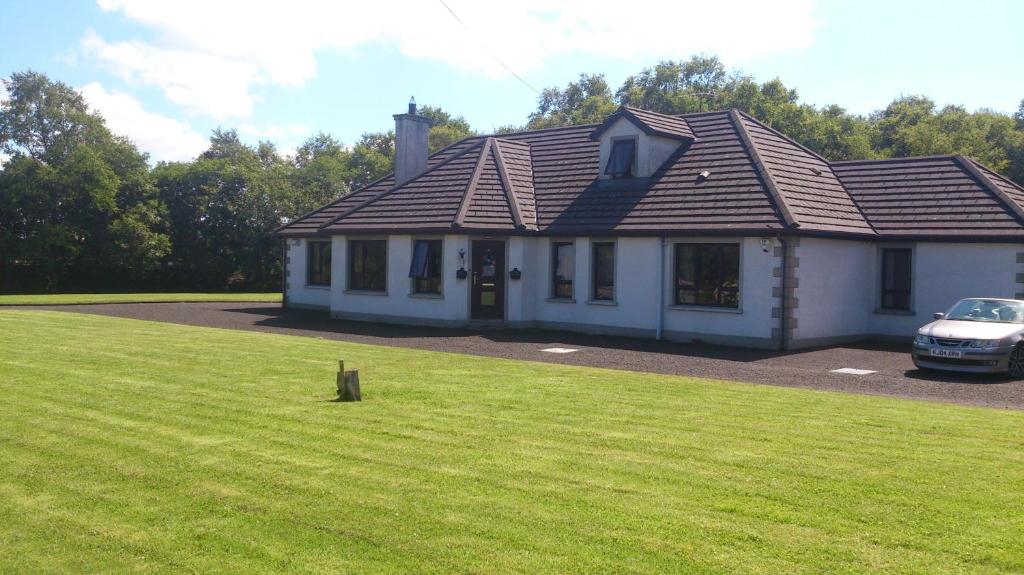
80,298
129,446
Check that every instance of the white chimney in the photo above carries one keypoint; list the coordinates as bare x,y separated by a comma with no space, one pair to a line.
412,133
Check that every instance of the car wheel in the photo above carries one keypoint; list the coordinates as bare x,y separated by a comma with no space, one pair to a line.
1015,366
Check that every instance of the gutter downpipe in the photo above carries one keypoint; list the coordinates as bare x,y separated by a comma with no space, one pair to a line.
661,288
284,274
783,344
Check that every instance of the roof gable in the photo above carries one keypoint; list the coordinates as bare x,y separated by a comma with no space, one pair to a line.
487,185
652,124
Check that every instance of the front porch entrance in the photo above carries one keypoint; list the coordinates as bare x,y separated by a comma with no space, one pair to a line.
488,289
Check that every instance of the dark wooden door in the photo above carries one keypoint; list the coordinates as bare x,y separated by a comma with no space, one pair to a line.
488,292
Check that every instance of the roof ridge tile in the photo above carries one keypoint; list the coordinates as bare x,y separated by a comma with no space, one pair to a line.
780,203
991,186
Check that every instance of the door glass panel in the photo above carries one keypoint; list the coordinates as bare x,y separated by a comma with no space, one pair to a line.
487,298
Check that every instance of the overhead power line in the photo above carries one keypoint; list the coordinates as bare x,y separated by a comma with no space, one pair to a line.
488,50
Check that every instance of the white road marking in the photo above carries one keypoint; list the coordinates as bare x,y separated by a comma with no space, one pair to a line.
853,371
559,350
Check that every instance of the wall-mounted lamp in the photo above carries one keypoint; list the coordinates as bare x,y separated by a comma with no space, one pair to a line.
766,244
515,274
461,273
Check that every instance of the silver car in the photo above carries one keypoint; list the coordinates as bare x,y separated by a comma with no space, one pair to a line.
977,335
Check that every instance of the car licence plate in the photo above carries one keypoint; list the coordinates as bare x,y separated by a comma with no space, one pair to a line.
952,353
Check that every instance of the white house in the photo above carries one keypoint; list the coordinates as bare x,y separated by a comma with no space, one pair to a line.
710,227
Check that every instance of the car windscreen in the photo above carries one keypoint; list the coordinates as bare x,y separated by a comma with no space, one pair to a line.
987,310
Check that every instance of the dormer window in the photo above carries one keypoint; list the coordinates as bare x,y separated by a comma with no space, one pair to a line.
622,159
637,143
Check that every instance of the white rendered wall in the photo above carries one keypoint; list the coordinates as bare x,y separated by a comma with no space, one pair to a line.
840,285
635,305
399,301
298,293
838,293
635,309
945,273
834,299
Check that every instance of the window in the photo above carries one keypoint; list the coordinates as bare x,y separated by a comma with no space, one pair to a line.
367,265
426,266
563,262
318,263
603,271
707,275
896,278
621,159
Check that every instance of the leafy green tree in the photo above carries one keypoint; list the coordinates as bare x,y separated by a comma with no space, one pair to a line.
323,172
45,120
221,210
78,201
446,129
586,101
372,157
908,126
675,87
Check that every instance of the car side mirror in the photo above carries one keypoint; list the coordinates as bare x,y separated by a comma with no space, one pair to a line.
938,315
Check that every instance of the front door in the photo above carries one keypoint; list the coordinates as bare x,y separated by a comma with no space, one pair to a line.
488,265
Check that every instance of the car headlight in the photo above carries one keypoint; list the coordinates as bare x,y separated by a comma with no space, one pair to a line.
922,339
984,343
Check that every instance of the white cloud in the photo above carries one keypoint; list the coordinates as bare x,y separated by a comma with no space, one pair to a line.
211,56
162,137
201,82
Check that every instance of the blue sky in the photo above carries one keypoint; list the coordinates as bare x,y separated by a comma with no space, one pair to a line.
165,74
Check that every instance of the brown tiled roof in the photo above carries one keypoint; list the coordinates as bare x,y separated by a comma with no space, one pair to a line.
311,223
757,181
675,199
652,123
929,197
801,181
486,185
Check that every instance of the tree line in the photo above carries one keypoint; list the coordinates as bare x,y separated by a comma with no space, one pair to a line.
81,208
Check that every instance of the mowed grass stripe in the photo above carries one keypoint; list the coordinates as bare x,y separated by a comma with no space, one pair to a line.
138,446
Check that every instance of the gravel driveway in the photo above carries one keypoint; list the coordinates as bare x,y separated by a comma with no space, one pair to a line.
894,375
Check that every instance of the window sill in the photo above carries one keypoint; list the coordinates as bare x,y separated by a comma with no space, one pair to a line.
426,295
712,309
317,286
604,302
882,311
365,292
561,300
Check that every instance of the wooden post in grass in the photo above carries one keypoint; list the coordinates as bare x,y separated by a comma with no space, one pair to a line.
348,384
352,386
